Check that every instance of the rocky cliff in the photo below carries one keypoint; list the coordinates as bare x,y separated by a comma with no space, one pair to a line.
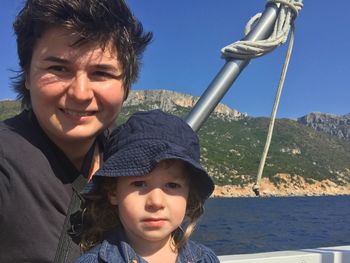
334,125
168,101
289,185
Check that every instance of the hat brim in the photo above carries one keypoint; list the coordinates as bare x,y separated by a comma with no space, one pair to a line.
140,159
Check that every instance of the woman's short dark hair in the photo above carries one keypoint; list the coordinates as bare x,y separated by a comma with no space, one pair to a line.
98,21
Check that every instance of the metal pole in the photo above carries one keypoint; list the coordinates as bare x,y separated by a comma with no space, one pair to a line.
230,71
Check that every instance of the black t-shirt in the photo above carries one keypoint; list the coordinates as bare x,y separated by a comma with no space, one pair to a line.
35,191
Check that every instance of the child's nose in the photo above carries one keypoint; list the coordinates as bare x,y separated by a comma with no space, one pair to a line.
155,199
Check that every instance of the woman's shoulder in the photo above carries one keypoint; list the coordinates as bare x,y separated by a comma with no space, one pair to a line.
196,252
20,139
13,145
18,130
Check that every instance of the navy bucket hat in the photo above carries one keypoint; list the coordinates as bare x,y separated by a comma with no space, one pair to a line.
147,138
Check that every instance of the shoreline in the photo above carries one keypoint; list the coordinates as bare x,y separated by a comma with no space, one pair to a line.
277,195
287,188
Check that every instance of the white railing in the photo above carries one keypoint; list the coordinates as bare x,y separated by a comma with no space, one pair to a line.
339,254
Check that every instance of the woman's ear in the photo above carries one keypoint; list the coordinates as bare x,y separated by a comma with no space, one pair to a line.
26,82
113,197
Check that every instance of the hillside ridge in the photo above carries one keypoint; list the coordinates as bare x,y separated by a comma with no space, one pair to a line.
302,160
331,124
168,100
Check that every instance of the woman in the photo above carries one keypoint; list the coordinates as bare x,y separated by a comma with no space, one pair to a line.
78,59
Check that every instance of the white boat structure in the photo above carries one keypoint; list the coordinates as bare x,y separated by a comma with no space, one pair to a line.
270,30
339,254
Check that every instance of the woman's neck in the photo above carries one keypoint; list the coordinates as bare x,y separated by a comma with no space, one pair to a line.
76,151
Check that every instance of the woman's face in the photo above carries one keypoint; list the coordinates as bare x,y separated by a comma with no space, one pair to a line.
76,91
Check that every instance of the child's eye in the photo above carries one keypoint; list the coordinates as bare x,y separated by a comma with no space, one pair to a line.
173,185
139,183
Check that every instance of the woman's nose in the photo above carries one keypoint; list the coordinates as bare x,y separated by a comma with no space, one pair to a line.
155,199
80,88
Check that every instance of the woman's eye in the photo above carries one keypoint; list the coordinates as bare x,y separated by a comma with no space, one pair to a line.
58,68
105,75
102,74
139,183
173,185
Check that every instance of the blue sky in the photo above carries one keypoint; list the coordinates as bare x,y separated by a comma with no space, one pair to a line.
185,54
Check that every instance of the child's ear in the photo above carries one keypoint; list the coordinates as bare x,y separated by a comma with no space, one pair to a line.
112,197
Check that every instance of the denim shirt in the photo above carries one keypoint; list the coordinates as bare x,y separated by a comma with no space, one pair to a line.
117,250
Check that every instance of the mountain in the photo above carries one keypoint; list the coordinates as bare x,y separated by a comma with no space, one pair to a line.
169,101
301,160
9,108
334,125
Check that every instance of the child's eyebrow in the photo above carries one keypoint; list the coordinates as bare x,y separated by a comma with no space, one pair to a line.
137,178
178,177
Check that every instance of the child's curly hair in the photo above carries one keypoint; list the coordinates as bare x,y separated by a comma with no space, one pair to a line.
101,217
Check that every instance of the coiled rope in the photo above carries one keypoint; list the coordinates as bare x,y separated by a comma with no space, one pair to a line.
246,49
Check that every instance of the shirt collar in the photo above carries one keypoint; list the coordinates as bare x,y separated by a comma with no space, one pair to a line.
117,247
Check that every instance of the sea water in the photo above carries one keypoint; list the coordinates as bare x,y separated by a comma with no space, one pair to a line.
251,225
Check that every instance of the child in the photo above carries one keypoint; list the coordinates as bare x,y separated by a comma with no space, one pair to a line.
144,202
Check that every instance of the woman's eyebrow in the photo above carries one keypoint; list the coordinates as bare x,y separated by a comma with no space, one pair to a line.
106,67
57,59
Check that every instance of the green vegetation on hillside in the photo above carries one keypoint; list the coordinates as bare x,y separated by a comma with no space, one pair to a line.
231,150
9,108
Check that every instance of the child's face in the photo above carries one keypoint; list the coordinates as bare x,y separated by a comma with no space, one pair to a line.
151,207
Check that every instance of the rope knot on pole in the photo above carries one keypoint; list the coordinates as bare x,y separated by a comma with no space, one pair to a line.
248,49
